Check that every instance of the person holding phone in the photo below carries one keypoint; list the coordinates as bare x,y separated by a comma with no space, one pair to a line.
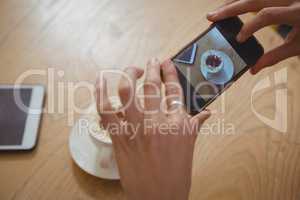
153,148
157,162
270,12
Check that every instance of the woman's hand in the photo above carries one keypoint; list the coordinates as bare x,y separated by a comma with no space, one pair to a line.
153,148
270,12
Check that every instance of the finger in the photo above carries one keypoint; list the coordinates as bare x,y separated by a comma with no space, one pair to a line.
104,107
199,119
227,3
293,34
173,88
152,86
234,9
267,16
127,88
275,56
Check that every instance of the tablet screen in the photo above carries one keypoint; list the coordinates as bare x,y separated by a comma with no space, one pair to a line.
12,118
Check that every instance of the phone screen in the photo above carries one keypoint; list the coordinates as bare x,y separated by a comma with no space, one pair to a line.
208,65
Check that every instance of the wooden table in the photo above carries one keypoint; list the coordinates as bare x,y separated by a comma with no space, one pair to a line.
80,38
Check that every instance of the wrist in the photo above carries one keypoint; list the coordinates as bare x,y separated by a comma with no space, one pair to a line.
179,191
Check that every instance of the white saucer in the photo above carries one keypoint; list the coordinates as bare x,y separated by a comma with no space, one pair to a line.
86,152
224,75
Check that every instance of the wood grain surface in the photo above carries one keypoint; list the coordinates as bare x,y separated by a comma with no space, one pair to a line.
74,39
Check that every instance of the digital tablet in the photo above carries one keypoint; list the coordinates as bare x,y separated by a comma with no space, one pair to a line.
20,114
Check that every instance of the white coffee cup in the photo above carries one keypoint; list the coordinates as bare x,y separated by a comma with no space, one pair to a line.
91,147
102,140
101,137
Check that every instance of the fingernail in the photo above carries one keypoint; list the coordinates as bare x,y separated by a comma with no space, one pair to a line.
154,61
240,38
206,112
252,71
169,62
212,14
139,71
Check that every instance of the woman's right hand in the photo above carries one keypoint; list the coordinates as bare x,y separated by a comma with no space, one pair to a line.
153,143
270,12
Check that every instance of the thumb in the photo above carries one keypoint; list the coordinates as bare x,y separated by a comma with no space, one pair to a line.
266,17
200,118
275,56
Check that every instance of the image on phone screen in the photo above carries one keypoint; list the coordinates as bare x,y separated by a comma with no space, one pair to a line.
209,65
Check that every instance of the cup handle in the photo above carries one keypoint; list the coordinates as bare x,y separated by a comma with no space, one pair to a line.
106,157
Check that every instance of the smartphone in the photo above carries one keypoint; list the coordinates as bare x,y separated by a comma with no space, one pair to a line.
213,61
